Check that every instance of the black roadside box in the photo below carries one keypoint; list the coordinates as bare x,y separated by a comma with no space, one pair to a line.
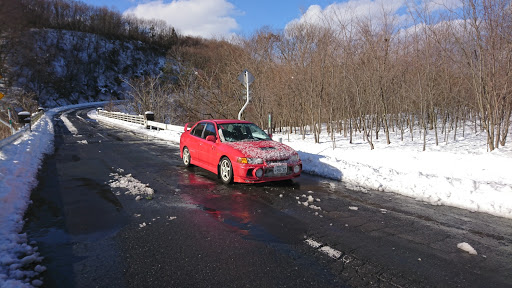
24,117
150,116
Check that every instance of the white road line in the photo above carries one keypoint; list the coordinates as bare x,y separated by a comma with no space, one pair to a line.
68,123
333,253
102,136
313,243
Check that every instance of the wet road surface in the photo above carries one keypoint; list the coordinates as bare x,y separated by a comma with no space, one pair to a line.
196,232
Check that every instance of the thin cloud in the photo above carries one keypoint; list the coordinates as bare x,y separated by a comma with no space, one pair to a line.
203,18
349,11
375,10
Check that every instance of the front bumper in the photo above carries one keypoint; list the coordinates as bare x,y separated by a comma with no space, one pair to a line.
246,173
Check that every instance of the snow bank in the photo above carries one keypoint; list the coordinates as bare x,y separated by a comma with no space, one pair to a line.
459,173
19,163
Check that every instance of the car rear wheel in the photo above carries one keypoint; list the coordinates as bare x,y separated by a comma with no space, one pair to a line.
186,157
226,170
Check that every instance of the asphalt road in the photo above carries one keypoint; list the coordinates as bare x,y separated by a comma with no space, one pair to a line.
196,232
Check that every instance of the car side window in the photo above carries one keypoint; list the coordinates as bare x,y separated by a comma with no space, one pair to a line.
209,130
198,130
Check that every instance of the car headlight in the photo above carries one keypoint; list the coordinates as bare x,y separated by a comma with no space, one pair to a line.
244,160
294,158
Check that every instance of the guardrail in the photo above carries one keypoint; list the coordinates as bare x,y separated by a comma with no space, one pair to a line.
13,137
34,118
137,119
157,125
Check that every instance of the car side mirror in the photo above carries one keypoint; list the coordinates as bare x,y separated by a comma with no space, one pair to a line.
211,138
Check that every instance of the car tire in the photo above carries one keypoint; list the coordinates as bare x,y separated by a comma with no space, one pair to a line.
225,170
186,157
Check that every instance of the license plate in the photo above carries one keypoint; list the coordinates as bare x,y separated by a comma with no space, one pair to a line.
280,169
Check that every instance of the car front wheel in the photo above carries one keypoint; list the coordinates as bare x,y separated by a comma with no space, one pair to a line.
186,157
226,170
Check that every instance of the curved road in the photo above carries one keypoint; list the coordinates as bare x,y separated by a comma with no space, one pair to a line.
196,232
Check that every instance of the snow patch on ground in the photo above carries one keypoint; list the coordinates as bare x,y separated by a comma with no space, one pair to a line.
466,247
133,186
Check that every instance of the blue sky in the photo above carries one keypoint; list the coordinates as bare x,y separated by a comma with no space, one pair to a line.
249,15
223,18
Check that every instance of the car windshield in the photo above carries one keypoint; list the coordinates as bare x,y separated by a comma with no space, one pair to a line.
235,132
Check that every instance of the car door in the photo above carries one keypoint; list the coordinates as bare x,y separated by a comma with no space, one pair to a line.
208,148
194,143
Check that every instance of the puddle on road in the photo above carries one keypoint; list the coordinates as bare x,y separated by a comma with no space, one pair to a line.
252,219
102,190
251,216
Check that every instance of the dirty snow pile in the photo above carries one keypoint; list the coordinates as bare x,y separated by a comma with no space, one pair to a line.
458,172
132,185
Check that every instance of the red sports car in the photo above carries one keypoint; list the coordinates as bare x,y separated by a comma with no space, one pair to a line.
238,151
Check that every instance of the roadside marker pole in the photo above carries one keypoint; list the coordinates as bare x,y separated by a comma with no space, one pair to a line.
246,78
10,120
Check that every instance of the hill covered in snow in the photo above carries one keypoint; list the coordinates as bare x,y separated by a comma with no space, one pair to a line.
69,67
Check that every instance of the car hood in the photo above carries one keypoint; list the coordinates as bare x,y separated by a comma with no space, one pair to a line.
266,150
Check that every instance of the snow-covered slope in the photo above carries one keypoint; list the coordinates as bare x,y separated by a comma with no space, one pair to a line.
68,67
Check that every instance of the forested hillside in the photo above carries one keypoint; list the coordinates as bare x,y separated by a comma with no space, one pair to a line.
443,70
70,67
65,52
434,68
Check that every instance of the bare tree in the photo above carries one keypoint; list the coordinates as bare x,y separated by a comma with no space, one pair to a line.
151,94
